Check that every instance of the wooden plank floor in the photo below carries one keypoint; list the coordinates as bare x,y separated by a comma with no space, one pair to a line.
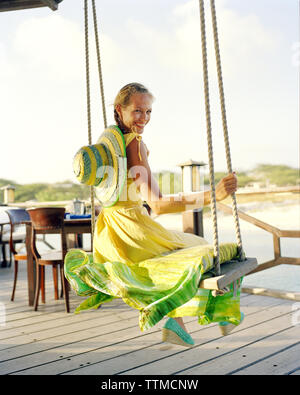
108,341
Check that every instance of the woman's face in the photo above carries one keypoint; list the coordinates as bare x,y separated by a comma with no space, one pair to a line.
138,112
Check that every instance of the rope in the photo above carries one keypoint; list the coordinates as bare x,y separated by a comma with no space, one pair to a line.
88,96
224,122
87,68
209,141
86,22
99,64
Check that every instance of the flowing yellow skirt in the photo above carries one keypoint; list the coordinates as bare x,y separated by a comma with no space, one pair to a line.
153,269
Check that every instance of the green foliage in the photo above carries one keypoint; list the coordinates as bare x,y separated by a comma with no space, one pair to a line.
47,192
280,175
63,191
4,182
218,177
243,178
27,192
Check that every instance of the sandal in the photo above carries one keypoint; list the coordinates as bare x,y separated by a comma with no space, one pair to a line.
173,333
227,327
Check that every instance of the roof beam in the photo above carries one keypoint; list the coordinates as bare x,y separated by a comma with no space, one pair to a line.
13,5
51,4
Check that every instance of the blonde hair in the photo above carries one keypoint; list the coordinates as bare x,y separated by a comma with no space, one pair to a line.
124,96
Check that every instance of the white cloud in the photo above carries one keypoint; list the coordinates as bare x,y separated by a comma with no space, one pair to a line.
44,96
252,59
43,90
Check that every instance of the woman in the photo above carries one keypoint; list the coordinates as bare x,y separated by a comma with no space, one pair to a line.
159,282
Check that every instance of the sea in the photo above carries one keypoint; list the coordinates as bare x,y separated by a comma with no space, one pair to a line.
256,242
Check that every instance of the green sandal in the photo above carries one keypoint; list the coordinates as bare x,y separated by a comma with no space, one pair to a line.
173,333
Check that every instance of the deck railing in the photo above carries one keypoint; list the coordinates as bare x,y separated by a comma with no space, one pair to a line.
277,234
278,258
192,222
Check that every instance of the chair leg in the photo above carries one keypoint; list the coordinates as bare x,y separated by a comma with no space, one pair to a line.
43,284
38,286
7,251
65,288
4,262
15,280
10,256
62,277
62,286
55,280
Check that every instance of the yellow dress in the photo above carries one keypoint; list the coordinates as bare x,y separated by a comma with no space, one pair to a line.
153,269
126,233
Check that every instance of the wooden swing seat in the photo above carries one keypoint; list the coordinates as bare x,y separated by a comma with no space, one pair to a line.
230,272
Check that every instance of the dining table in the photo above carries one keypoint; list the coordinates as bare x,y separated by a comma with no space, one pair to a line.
73,226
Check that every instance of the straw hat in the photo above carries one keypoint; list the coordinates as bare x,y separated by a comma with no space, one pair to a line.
103,165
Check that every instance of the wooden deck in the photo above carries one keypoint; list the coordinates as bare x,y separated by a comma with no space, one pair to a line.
109,342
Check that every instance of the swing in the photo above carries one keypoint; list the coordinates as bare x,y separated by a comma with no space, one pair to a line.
229,271
223,275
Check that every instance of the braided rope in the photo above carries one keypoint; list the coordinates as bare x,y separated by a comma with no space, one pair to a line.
87,68
209,140
224,121
88,96
99,63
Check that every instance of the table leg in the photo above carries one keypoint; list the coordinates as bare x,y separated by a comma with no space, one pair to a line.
31,275
71,240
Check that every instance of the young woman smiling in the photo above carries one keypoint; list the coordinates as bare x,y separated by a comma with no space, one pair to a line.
134,256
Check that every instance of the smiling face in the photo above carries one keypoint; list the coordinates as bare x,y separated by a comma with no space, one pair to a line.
137,113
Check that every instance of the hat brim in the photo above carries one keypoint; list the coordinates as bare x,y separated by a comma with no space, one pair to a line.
114,175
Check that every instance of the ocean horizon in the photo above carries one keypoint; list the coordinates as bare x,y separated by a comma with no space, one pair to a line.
256,242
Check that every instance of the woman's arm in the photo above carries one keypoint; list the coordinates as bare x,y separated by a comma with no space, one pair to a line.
149,189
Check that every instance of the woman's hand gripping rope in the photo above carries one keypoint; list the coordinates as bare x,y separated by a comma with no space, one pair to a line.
226,187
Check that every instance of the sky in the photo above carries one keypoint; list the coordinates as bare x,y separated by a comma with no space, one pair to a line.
43,118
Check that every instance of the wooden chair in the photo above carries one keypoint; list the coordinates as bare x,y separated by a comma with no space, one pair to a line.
17,234
49,220
4,238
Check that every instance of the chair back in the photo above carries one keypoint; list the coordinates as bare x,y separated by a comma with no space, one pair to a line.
46,220
4,224
16,218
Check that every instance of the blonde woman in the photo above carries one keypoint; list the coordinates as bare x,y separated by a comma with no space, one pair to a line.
153,269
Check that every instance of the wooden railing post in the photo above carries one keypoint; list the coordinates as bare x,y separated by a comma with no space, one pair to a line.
277,246
277,234
192,220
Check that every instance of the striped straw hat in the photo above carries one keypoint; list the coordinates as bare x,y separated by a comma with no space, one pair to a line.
103,165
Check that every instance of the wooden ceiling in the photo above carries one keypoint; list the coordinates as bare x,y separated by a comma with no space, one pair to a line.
13,5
